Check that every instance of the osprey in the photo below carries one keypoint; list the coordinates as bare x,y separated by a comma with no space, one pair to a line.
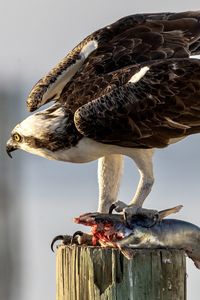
126,89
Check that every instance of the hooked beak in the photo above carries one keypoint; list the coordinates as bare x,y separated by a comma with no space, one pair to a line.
10,148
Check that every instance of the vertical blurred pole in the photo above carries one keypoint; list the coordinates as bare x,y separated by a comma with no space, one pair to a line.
9,205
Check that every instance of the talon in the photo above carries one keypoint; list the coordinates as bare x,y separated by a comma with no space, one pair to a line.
57,238
81,238
118,206
112,207
79,233
156,217
125,214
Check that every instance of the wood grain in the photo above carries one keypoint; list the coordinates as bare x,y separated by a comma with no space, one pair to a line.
88,273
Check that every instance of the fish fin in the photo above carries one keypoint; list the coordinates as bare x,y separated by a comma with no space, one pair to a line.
166,212
128,253
190,254
197,264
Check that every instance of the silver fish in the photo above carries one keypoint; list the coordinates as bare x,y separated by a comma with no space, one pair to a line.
112,230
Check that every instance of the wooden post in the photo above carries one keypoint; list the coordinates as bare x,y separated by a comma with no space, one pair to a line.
95,273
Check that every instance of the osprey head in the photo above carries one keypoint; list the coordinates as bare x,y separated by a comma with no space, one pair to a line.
44,133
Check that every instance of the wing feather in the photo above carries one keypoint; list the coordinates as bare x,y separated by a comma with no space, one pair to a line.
164,104
133,39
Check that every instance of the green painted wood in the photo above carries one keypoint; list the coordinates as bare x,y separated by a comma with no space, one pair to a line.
95,273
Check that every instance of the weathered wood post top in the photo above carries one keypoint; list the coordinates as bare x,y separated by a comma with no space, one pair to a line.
96,273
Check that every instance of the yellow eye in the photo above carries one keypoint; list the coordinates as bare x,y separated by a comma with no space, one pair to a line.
17,137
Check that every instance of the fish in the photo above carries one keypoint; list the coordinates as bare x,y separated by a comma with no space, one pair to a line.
113,230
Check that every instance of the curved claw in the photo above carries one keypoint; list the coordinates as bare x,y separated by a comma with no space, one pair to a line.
57,238
112,207
79,233
156,218
125,215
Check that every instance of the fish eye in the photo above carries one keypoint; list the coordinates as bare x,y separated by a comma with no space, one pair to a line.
17,137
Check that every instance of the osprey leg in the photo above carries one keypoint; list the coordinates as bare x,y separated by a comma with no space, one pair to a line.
143,160
110,169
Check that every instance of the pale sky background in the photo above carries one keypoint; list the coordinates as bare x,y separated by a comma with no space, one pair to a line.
35,34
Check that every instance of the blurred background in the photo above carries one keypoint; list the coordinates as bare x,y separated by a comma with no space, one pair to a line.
39,198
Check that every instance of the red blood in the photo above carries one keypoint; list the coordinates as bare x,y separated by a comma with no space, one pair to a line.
104,233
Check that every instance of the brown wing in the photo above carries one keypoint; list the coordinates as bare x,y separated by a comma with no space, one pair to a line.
133,39
164,104
145,37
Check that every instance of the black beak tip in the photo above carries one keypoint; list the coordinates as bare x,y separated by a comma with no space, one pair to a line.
10,148
8,152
